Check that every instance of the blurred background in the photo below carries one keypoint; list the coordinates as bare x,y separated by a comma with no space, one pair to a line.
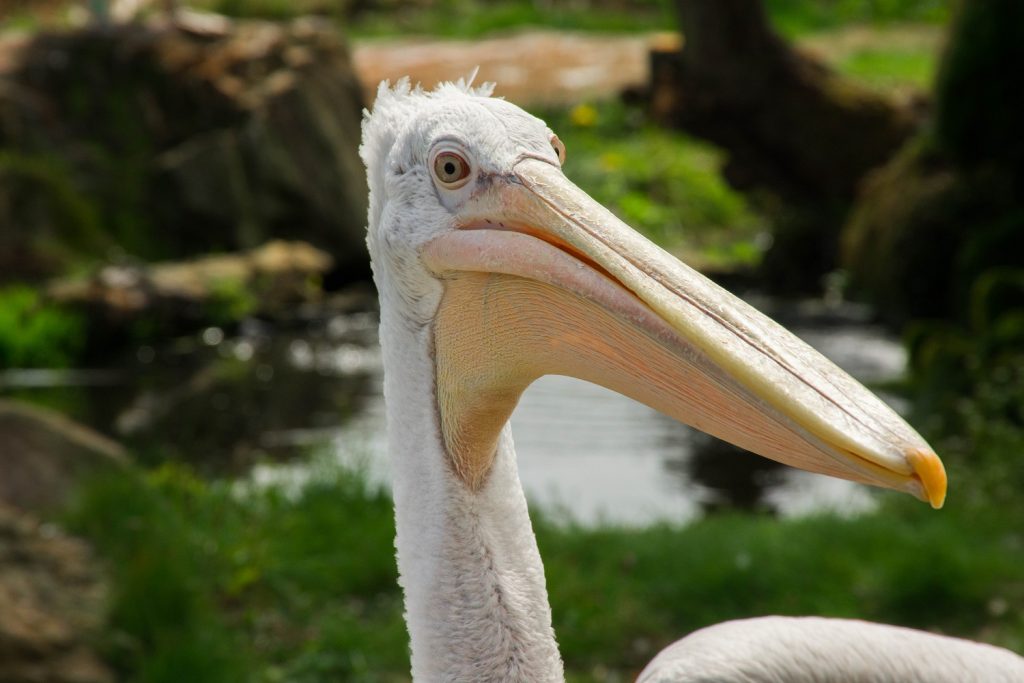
192,476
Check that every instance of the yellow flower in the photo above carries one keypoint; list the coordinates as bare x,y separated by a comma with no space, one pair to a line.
583,115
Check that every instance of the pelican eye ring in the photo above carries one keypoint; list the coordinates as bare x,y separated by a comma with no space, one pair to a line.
451,170
559,148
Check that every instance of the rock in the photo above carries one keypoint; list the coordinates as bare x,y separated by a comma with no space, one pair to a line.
925,229
165,140
269,281
52,598
45,454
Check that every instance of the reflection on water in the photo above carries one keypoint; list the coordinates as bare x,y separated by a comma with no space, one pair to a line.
595,455
224,404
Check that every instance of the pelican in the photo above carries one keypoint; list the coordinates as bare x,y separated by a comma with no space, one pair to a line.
493,269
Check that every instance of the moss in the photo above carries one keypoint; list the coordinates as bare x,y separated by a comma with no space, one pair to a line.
925,229
981,357
230,300
111,107
36,335
51,222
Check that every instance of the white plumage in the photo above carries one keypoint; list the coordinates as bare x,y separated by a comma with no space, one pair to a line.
493,270
817,650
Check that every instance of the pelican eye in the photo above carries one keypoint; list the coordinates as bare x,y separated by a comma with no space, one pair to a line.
451,169
559,148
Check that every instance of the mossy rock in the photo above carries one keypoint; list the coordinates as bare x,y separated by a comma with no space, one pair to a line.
925,230
950,207
46,220
164,141
181,296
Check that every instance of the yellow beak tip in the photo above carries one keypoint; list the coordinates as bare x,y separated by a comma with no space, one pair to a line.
932,474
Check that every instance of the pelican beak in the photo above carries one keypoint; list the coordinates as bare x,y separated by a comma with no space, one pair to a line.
541,279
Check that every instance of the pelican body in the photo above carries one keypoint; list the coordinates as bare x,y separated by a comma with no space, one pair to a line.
493,270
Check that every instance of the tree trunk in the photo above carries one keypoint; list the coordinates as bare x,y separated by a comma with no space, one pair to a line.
789,125
793,125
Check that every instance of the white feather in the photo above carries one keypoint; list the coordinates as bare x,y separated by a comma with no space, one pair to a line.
475,599
817,650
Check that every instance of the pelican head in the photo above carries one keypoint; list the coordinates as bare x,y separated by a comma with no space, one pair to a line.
509,272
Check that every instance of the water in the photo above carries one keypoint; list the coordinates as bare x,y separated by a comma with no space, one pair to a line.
592,455
253,406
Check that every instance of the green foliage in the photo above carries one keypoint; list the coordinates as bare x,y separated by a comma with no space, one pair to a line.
968,380
230,300
801,16
968,385
34,334
980,102
665,184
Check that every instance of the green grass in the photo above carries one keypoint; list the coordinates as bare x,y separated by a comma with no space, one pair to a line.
463,18
889,58
230,300
663,183
473,18
611,589
796,17
279,585
891,68
20,21
262,587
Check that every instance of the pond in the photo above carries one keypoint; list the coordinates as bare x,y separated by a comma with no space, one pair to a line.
589,454
254,405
